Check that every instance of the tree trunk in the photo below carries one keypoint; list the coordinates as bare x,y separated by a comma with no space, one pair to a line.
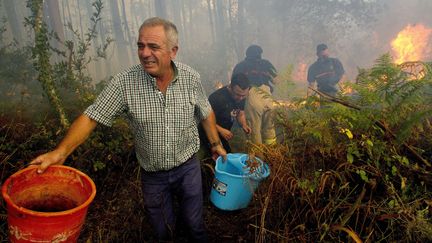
140,11
160,8
177,14
120,42
210,13
190,25
96,43
56,22
241,27
80,19
42,55
126,23
185,30
130,40
14,22
69,17
221,37
53,17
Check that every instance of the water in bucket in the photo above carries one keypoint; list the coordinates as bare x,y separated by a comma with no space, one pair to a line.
47,207
235,181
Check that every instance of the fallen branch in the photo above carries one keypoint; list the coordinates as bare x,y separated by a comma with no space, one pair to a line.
351,233
353,208
269,231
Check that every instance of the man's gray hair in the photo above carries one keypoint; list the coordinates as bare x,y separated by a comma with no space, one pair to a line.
170,29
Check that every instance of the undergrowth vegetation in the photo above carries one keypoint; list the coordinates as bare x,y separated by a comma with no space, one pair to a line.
355,167
348,168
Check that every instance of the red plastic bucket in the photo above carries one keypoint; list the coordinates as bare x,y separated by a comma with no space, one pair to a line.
47,207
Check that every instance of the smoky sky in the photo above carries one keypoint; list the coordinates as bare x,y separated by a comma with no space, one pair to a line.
213,38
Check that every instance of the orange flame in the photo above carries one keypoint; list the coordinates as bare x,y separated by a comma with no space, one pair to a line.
412,44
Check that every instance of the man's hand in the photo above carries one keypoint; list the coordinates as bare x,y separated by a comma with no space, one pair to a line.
247,129
225,133
43,161
309,91
217,151
77,134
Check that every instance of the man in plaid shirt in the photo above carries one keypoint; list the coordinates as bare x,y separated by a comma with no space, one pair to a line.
164,102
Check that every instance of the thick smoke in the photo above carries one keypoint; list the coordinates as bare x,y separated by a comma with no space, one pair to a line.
213,37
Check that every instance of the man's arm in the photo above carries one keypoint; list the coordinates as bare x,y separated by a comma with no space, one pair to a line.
76,135
225,133
241,119
215,101
310,80
209,125
271,72
339,69
311,75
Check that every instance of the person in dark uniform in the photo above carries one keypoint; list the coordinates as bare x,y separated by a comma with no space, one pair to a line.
228,105
259,71
326,71
259,108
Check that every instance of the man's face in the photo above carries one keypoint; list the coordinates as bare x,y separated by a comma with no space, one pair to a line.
324,53
237,93
154,52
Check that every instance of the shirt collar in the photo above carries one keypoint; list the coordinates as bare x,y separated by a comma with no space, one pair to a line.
175,78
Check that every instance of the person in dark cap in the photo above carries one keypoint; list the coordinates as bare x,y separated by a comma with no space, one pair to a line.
259,71
228,105
254,51
321,47
325,71
259,104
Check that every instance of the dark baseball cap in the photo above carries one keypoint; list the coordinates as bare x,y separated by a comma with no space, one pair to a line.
321,47
254,51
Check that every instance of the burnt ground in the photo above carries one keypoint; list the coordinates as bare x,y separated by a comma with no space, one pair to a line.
117,214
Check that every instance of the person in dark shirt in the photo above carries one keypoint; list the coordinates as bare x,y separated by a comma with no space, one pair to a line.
228,105
326,71
259,71
259,108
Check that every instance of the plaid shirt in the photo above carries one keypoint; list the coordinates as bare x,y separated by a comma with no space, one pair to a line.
164,126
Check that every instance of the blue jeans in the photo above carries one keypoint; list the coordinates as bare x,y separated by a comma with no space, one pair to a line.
183,182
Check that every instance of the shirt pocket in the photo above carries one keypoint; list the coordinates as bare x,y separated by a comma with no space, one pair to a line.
184,111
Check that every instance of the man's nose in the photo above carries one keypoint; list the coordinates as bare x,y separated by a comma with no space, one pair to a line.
145,52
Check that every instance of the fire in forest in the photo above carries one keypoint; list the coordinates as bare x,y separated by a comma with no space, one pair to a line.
413,43
300,72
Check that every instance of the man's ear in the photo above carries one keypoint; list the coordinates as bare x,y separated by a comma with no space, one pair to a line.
174,51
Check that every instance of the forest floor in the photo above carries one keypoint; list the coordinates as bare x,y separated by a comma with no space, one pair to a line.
117,212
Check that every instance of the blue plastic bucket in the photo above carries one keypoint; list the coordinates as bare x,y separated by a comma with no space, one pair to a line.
234,183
